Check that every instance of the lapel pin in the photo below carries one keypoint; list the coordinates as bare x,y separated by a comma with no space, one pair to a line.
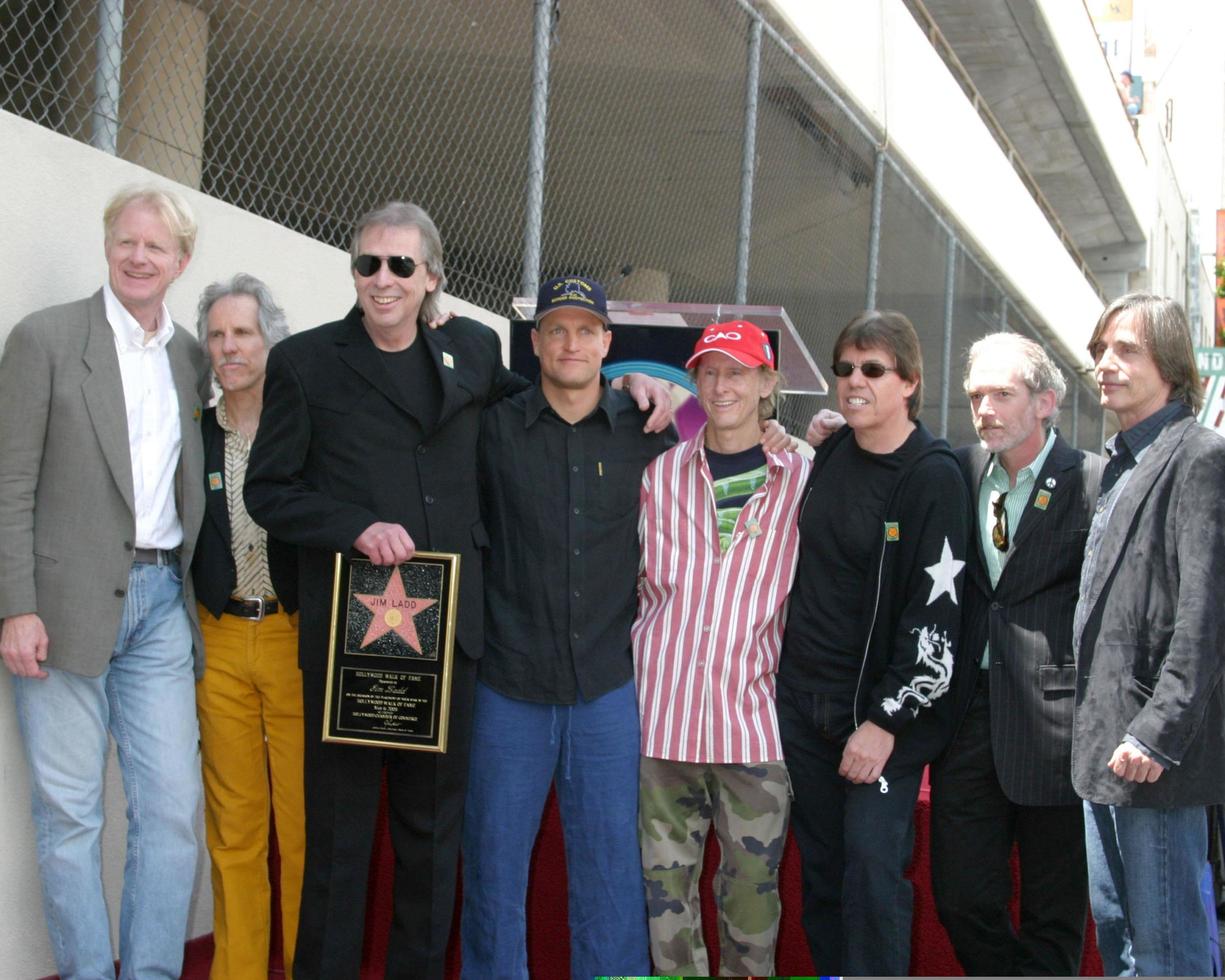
1050,483
1042,499
195,414
447,360
893,531
754,527
214,481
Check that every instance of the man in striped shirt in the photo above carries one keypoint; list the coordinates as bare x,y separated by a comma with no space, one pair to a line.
719,545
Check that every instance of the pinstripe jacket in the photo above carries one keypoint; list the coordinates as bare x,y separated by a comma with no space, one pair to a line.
1027,618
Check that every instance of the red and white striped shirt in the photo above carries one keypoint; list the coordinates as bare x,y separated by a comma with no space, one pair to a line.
710,623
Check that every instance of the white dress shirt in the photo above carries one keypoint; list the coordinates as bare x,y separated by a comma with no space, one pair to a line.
154,436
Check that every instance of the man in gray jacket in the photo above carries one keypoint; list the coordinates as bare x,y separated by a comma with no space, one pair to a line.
1148,747
101,498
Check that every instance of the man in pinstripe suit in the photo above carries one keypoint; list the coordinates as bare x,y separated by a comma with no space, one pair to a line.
1006,776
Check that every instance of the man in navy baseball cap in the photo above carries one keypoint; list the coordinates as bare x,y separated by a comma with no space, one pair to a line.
560,466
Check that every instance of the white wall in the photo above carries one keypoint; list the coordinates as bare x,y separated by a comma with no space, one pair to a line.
51,252
879,55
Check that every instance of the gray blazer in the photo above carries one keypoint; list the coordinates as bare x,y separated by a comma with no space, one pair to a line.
67,518
1152,653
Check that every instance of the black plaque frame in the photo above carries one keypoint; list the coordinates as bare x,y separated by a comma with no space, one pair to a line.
381,691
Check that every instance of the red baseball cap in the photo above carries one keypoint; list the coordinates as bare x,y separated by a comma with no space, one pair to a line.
744,342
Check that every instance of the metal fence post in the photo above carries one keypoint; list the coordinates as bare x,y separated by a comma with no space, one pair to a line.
748,161
878,190
542,28
108,50
1075,410
950,282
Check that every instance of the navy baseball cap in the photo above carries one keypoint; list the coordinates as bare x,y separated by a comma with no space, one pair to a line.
576,291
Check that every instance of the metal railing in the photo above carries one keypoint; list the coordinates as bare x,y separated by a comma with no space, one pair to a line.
685,142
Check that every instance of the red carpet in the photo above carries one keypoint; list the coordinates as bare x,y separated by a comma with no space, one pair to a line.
548,940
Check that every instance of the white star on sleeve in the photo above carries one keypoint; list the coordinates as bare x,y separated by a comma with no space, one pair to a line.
943,574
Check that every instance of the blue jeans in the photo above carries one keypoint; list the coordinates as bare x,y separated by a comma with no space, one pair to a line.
589,751
855,842
1144,873
145,699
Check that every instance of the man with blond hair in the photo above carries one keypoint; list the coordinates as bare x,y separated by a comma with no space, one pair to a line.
101,497
719,546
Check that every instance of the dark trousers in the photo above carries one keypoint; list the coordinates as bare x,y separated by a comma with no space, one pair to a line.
974,826
425,795
855,842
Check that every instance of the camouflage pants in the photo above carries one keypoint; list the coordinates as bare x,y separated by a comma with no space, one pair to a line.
748,804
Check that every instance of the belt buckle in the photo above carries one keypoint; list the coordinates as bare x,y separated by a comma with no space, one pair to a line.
260,605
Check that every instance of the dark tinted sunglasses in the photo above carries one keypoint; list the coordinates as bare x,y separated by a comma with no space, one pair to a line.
401,266
999,530
869,369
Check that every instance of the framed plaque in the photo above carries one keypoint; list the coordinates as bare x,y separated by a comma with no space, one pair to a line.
390,652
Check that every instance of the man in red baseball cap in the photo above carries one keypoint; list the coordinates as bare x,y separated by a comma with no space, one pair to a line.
719,547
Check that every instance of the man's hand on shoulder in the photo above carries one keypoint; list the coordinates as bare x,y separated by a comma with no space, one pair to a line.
1133,765
774,438
866,752
823,425
23,644
385,544
442,318
648,392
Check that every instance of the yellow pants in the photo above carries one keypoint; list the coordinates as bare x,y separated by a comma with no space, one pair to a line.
250,707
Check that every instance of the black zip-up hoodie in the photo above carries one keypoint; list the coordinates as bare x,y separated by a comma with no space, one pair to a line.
912,613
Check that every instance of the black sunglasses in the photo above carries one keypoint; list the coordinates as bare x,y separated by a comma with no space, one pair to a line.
869,369
999,530
401,266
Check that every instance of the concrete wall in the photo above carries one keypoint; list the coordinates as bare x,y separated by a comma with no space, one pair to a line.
50,252
878,54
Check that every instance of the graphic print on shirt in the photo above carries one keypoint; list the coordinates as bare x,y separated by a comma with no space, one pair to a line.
934,653
944,574
933,649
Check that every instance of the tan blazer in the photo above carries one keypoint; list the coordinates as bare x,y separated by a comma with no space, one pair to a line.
67,519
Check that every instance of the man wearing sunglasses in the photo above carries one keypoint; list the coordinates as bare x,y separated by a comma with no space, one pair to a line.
367,442
868,651
1006,776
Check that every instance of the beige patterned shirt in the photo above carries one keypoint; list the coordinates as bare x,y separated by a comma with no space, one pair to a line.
248,540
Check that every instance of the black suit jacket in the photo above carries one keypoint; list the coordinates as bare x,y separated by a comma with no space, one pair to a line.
329,459
212,567
1027,617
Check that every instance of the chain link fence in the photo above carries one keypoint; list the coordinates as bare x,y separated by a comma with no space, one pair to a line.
311,111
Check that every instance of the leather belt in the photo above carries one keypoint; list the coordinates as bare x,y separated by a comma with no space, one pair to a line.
252,607
156,556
